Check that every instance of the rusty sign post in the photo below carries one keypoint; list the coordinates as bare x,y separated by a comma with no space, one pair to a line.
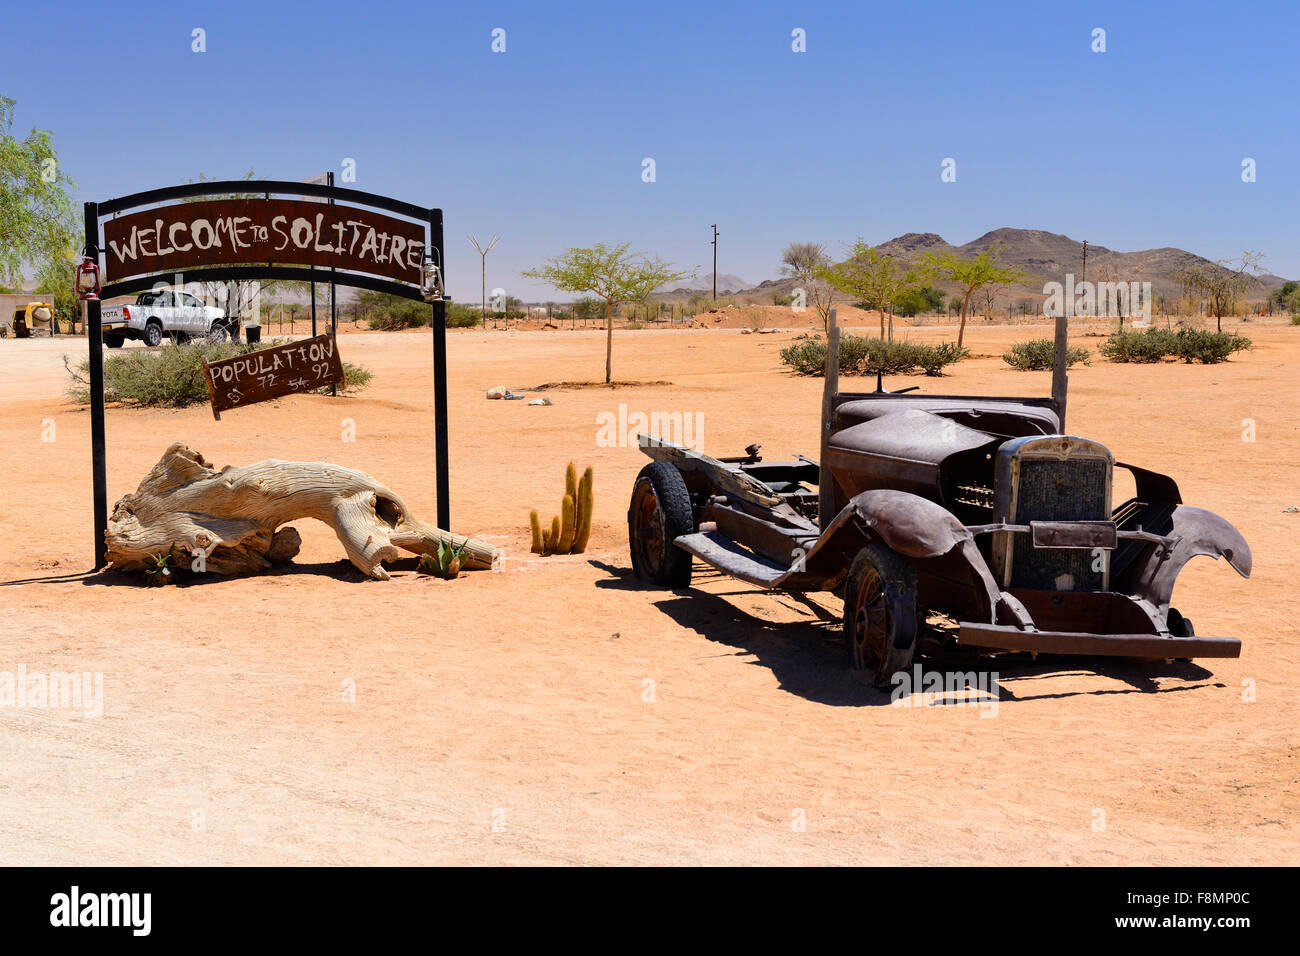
356,238
289,369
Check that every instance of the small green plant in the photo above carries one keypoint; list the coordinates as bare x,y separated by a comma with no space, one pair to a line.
161,571
1038,354
1295,320
870,355
446,563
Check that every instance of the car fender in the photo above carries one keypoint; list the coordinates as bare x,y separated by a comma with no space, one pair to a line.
1197,532
907,523
916,528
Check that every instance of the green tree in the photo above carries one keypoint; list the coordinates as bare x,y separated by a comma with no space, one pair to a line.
803,262
873,277
920,301
38,222
611,273
1287,298
970,274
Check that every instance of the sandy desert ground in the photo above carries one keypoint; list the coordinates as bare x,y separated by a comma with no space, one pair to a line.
559,712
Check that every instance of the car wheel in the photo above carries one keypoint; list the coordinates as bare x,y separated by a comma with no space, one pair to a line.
659,513
880,618
153,334
114,341
218,334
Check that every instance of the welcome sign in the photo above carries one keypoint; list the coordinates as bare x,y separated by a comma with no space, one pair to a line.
262,231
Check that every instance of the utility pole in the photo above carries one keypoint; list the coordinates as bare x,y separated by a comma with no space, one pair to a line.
715,262
1085,261
483,255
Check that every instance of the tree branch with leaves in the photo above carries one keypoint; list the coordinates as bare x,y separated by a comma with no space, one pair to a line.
971,275
38,221
874,278
612,273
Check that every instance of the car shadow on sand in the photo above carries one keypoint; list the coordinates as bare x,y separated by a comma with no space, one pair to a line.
808,656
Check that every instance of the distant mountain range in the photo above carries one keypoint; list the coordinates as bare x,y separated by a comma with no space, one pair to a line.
726,283
1045,256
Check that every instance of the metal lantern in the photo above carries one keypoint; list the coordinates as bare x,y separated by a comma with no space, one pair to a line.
431,281
88,278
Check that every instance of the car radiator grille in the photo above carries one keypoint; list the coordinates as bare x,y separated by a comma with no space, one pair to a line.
1073,489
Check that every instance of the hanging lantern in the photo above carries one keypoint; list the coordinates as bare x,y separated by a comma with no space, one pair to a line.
88,278
431,281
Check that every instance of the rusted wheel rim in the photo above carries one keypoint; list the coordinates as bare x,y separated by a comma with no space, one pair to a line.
649,526
870,621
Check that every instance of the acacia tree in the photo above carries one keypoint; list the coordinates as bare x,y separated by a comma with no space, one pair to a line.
874,278
971,274
1221,282
803,262
38,223
611,273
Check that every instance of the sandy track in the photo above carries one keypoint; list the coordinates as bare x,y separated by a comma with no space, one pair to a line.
498,719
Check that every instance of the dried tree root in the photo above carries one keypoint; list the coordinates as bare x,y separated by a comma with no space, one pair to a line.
184,505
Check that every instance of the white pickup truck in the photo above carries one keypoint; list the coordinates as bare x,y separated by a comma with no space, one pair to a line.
156,314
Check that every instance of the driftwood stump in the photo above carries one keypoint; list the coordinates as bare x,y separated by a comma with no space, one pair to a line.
183,505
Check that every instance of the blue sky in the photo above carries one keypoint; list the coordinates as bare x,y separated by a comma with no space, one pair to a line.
1137,147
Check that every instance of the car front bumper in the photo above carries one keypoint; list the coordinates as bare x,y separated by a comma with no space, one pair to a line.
1004,637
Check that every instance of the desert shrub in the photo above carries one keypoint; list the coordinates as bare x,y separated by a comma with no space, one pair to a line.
1144,346
781,298
1295,320
460,316
933,359
870,355
1188,343
172,376
807,357
1209,348
386,313
1038,354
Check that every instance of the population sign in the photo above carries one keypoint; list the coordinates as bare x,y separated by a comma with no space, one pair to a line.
301,366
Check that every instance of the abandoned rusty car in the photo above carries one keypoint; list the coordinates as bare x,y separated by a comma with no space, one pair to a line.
950,523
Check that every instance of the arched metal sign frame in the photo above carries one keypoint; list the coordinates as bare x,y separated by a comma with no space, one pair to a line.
95,215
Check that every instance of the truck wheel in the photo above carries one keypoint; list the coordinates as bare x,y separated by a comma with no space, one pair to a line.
114,341
880,620
218,334
660,512
153,334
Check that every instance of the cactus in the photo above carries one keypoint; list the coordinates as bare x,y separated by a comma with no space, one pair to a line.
536,523
565,545
571,528
583,505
